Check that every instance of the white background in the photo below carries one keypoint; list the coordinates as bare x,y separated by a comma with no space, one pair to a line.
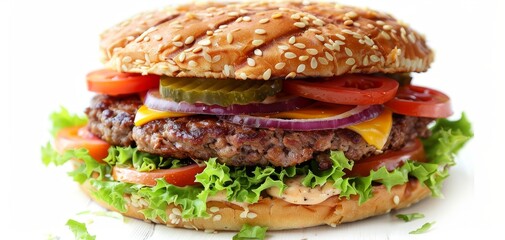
50,46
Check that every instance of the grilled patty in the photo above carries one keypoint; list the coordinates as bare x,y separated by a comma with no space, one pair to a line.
203,137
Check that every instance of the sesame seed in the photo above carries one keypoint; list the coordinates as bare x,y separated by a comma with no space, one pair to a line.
299,45
412,37
319,37
365,60
233,14
396,199
350,61
368,41
223,26
283,47
340,36
209,231
351,14
303,58
374,58
380,22
328,56
226,70
300,68
289,55
192,63
276,15
210,33
258,52
130,38
313,63
317,31
243,214
207,57
387,27
322,60
375,47
146,39
356,24
178,44
197,49
296,16
239,20
182,57
348,52
348,32
333,225
189,40
264,20
247,19
229,38
371,26
176,211
260,31
312,51
176,38
267,74
357,35
243,75
299,24
251,62
291,75
257,42
243,11
251,215
126,59
216,218
216,58
157,37
318,22
214,209
348,22
280,65
329,46
204,42
385,35
292,40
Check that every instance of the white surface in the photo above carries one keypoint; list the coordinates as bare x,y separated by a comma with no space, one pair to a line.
53,44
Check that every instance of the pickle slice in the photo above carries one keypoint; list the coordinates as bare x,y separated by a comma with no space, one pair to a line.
223,92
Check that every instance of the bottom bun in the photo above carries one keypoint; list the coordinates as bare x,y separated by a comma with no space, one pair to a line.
277,214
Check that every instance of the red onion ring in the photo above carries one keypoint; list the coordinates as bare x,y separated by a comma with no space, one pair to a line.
351,117
286,103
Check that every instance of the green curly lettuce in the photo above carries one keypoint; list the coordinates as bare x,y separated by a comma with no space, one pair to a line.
250,232
141,161
64,118
79,230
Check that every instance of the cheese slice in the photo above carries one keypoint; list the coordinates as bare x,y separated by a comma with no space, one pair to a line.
145,115
375,131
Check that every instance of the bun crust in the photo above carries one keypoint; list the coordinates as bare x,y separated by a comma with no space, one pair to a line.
264,40
278,214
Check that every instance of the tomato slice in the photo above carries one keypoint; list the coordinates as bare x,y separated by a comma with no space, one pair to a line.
177,176
420,102
80,137
114,83
352,89
391,159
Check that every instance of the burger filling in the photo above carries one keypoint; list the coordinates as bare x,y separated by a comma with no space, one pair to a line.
187,141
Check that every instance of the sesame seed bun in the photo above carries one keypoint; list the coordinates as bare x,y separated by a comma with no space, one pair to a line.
264,40
277,214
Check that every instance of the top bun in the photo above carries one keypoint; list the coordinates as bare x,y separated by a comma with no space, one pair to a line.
263,40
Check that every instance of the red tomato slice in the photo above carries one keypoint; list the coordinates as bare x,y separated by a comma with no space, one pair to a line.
80,137
391,159
177,176
114,83
352,89
420,102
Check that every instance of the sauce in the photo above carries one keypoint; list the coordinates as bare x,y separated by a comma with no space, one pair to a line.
296,193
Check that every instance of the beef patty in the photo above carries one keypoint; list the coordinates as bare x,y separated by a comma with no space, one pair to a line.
204,136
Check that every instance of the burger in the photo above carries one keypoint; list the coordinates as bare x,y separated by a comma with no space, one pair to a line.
283,115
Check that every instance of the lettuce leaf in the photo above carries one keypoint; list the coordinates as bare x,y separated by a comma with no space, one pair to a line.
79,230
409,217
424,228
251,232
141,161
63,119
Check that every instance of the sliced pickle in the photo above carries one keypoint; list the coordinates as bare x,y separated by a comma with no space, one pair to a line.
223,92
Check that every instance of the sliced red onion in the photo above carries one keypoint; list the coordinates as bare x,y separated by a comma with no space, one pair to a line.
353,116
270,105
